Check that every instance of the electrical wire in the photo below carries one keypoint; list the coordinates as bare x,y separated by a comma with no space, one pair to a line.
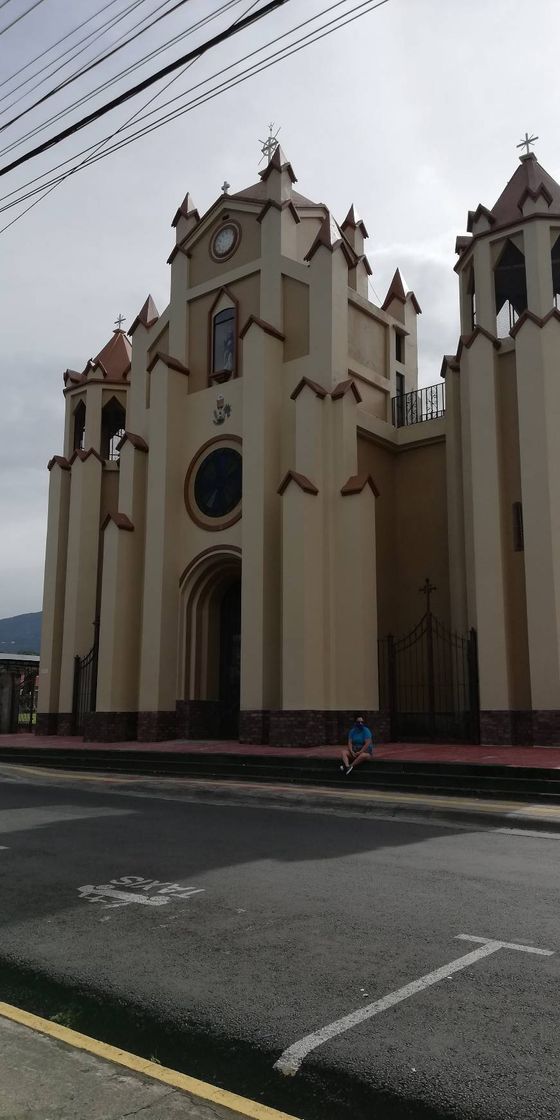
286,52
21,16
94,147
117,77
101,58
55,44
122,98
94,35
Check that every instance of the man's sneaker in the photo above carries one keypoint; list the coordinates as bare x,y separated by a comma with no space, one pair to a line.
349,770
342,767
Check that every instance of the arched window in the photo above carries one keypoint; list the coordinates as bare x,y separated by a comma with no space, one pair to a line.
555,260
79,426
112,428
510,286
223,343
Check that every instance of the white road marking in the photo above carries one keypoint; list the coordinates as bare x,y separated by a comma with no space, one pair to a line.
107,892
162,892
291,1059
4,848
529,832
20,820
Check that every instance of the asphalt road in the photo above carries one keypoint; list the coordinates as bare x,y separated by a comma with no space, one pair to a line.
215,937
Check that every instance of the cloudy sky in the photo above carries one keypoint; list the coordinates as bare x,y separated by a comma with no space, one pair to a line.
413,113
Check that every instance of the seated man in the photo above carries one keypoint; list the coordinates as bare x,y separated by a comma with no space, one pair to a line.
360,746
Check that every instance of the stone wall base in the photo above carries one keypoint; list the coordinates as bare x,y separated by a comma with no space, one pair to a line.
65,723
315,728
155,727
537,728
198,719
254,727
110,727
46,723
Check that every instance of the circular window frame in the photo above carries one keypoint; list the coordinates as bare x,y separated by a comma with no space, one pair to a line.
211,524
217,257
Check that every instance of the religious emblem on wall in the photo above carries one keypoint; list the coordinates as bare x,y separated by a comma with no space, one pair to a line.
222,410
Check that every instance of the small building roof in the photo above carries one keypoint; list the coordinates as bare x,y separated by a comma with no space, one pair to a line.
528,178
115,356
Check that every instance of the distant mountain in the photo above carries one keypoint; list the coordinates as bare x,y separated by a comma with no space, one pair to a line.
21,634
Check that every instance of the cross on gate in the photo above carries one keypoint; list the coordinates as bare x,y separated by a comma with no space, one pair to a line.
426,589
119,322
526,143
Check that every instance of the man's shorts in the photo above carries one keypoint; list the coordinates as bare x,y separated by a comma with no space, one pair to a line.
358,750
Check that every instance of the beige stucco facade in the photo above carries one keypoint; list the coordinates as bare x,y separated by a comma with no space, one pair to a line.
253,490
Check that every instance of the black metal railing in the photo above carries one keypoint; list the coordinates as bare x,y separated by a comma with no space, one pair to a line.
418,406
85,684
428,684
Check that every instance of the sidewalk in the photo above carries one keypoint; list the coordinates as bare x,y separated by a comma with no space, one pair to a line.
45,1078
531,757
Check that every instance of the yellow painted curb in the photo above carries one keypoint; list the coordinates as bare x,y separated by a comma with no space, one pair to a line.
252,1110
396,798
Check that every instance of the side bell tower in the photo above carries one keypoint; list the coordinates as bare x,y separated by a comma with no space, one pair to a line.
503,399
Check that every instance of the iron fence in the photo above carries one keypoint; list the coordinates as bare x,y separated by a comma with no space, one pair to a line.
418,406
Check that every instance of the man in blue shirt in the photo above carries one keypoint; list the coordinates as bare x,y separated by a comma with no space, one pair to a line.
360,745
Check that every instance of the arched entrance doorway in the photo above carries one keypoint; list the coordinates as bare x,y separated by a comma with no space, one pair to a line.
211,643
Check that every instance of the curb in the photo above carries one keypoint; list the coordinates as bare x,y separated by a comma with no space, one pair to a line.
242,1106
415,808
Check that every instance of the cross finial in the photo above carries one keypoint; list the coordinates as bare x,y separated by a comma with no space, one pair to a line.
269,146
526,143
225,186
119,322
426,589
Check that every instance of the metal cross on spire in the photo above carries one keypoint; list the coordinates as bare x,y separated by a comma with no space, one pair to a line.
225,186
119,322
526,143
269,146
426,589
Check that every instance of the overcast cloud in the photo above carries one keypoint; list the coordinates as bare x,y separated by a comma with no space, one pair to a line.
412,113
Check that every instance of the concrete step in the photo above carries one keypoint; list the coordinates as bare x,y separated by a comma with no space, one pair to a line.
459,779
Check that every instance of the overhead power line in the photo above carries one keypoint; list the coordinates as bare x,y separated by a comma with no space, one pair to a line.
94,148
72,171
343,20
222,37
117,77
100,58
22,15
92,37
42,53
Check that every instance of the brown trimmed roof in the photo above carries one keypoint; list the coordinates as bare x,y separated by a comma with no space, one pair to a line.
398,291
187,209
147,316
313,385
258,193
278,162
300,480
266,327
529,180
353,221
114,358
344,387
358,482
331,237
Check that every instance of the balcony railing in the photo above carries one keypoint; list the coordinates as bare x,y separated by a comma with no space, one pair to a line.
418,406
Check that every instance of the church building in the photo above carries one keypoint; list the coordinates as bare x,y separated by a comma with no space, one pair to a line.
259,524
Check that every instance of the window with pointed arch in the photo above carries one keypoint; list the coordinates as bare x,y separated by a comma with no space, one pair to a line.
510,288
222,365
79,426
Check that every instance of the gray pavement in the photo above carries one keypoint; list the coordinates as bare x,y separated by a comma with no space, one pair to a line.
43,1079
220,935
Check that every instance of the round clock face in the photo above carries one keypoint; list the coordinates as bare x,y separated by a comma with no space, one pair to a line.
225,241
217,485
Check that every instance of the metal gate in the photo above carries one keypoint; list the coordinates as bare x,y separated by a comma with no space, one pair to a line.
85,684
428,682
